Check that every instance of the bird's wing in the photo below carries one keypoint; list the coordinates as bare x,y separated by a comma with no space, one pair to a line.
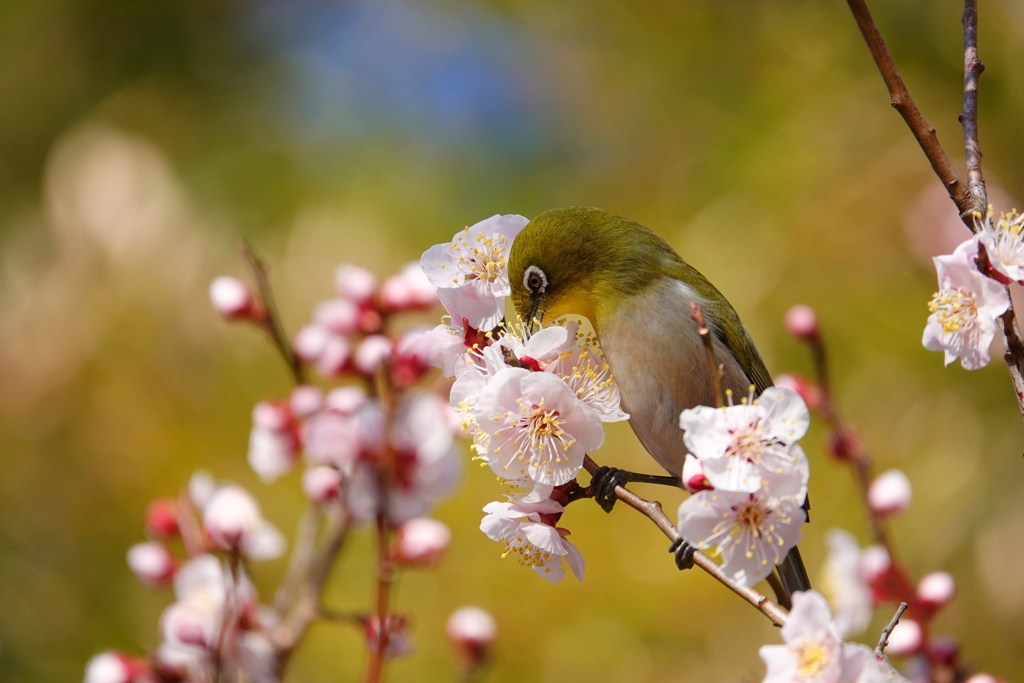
727,326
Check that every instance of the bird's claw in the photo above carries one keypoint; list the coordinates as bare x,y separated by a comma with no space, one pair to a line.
683,552
604,481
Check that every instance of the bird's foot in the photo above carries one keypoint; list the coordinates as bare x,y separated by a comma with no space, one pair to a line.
605,479
683,552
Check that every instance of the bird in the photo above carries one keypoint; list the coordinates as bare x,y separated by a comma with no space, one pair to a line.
636,291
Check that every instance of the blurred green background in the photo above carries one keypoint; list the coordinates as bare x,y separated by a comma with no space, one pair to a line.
141,140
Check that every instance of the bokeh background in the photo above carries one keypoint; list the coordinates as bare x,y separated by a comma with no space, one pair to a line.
140,141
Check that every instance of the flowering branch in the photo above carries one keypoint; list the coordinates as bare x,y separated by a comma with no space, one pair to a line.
972,200
270,321
969,118
652,510
883,642
904,104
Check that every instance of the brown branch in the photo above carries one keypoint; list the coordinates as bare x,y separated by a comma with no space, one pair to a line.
653,511
271,322
969,117
904,104
382,589
883,642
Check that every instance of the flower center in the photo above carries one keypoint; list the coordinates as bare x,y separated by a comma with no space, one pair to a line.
529,554
812,658
746,443
484,256
750,517
955,309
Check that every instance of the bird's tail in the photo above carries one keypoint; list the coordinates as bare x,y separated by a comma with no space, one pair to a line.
793,573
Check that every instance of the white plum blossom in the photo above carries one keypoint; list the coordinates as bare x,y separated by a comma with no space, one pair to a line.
535,425
232,520
752,532
472,627
964,312
847,591
273,441
862,665
151,562
321,484
813,652
890,493
192,625
422,542
354,283
742,446
524,529
1004,244
117,667
232,298
471,271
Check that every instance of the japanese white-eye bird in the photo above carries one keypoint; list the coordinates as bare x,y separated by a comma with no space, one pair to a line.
636,291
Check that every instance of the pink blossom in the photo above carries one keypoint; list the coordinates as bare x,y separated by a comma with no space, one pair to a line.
694,479
372,353
162,518
890,493
471,272
742,446
844,585
328,351
408,289
411,358
802,322
808,390
965,310
1004,244
117,667
906,638
151,562
421,542
862,665
935,591
273,441
232,520
321,484
751,531
232,298
354,283
340,316
813,652
305,401
526,530
472,626
346,400
532,423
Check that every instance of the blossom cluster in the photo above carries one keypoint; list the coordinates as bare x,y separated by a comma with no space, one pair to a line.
814,650
749,480
375,446
972,290
534,404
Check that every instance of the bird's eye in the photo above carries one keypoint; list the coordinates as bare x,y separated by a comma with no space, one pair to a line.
535,280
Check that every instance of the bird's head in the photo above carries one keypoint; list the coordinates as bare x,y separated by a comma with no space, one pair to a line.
582,261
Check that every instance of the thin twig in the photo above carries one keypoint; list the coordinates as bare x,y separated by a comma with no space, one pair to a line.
883,642
969,117
271,322
652,510
904,104
303,554
382,589
697,313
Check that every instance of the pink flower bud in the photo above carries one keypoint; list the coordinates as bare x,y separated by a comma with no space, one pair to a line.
905,639
422,294
935,591
372,353
232,298
162,518
346,400
844,444
472,629
340,316
232,521
151,562
321,484
889,493
808,390
398,642
874,564
693,475
421,542
802,322
310,341
116,667
411,357
397,294
354,283
335,357
189,623
306,400
271,415
370,321
984,678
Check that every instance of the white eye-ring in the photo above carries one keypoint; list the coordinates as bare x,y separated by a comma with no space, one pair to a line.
535,280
